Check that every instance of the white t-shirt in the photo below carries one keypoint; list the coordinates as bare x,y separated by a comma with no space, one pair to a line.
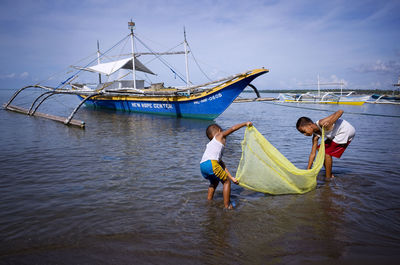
214,151
342,132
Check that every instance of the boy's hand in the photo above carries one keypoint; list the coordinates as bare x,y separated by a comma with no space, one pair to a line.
249,123
330,120
234,180
325,124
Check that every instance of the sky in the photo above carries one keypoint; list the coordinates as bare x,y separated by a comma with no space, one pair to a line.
354,42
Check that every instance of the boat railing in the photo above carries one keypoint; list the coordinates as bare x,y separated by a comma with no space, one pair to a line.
300,97
287,96
330,94
349,93
381,96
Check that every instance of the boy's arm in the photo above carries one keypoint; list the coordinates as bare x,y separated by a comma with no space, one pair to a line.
234,180
313,151
235,128
330,120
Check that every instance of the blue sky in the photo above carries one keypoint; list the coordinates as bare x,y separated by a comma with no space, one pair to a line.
355,42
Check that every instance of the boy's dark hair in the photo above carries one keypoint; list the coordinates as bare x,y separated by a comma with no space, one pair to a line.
212,129
303,121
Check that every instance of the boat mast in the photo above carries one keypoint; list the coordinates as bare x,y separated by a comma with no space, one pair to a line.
186,58
131,26
318,86
341,88
397,85
98,59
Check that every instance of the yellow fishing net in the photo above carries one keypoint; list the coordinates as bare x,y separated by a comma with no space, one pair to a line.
263,168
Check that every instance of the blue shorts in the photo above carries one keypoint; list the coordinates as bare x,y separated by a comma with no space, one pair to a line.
213,171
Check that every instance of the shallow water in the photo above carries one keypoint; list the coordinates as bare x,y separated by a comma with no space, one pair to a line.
128,190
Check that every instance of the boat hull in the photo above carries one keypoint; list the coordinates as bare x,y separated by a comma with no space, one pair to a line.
385,97
207,105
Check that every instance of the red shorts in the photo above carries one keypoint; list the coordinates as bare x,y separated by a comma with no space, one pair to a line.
334,149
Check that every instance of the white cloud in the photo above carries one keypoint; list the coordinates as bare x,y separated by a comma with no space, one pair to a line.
14,76
7,76
381,67
335,79
24,75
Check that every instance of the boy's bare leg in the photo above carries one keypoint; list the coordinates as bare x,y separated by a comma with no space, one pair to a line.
328,167
211,190
226,192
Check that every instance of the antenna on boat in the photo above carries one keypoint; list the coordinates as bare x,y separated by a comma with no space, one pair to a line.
397,85
131,26
318,86
98,58
186,57
341,88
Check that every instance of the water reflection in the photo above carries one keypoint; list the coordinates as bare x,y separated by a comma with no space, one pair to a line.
128,190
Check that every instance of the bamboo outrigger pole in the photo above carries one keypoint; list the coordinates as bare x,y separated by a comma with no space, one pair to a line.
50,92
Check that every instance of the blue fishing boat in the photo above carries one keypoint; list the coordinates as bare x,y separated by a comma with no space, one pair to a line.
189,103
205,101
202,101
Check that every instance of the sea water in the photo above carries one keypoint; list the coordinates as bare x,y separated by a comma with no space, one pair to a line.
128,190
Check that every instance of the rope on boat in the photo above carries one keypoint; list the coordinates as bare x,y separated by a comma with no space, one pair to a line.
94,60
162,60
158,54
217,81
194,58
63,71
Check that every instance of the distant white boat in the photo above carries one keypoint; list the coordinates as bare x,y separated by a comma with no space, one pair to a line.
388,99
326,97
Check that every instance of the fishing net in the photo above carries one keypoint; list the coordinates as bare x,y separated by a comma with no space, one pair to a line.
264,169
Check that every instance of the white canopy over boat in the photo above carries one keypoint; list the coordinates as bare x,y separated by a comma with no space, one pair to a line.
112,67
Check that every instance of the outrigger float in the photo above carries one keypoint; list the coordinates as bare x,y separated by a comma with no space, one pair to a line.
206,101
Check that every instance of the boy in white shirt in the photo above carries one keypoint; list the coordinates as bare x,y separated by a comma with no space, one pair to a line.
211,165
339,134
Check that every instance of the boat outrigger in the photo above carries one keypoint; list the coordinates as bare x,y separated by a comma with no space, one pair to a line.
206,101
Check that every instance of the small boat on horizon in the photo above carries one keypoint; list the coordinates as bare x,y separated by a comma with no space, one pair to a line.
388,99
205,101
326,97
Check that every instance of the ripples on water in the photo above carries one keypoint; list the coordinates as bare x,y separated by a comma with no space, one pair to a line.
128,190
